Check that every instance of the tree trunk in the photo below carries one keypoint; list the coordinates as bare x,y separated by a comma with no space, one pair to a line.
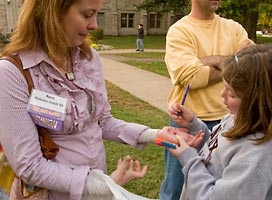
250,24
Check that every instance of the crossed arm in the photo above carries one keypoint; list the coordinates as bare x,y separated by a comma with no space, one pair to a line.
215,64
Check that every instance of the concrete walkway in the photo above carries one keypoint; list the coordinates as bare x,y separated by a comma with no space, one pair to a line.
148,86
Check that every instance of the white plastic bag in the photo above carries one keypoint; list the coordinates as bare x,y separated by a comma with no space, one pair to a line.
117,192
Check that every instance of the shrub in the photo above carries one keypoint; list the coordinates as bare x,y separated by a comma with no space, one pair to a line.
96,35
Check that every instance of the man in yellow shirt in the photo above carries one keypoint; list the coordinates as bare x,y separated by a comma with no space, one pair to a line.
195,47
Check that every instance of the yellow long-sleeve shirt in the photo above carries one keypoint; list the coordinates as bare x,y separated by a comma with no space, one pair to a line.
187,41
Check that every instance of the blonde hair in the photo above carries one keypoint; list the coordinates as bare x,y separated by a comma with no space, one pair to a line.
249,73
39,26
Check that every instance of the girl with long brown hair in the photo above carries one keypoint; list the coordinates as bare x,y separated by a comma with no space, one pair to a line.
234,160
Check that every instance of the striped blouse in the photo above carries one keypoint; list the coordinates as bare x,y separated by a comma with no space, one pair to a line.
87,122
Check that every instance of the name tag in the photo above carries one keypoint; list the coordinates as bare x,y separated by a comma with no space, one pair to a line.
47,110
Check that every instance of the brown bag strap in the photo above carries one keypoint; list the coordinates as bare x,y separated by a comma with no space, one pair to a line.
18,63
48,146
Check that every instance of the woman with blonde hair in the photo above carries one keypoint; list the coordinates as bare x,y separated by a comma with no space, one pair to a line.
50,41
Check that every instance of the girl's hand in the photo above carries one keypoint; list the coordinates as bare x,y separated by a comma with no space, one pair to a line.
183,144
180,114
126,170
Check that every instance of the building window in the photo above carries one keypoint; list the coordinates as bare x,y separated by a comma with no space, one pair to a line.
155,20
101,19
127,20
176,18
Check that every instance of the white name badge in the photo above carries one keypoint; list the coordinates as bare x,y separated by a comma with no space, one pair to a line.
47,110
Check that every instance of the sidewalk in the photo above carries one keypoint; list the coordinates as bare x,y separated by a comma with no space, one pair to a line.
148,86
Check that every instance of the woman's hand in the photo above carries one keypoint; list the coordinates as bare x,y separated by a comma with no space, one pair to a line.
180,114
183,144
126,170
169,133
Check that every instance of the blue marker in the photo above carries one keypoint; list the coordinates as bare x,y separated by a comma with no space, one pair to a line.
184,96
170,145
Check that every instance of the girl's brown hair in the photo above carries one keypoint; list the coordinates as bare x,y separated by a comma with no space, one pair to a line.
249,73
39,26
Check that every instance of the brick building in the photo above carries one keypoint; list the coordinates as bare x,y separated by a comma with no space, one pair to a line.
9,10
117,17
120,17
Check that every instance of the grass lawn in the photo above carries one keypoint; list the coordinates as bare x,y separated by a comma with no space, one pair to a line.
159,55
150,41
152,66
150,61
261,39
153,41
129,108
129,42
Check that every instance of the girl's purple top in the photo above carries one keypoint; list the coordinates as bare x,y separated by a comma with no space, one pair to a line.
87,122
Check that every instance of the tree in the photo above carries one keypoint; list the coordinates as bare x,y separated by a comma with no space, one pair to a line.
178,7
246,12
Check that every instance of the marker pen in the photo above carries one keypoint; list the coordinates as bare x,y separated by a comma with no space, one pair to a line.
165,142
170,145
184,96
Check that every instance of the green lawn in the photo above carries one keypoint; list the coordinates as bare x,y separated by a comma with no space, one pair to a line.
261,39
157,42
129,42
150,41
158,67
129,108
159,55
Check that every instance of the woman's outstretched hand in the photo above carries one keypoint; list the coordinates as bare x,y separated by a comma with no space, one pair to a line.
127,170
171,133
